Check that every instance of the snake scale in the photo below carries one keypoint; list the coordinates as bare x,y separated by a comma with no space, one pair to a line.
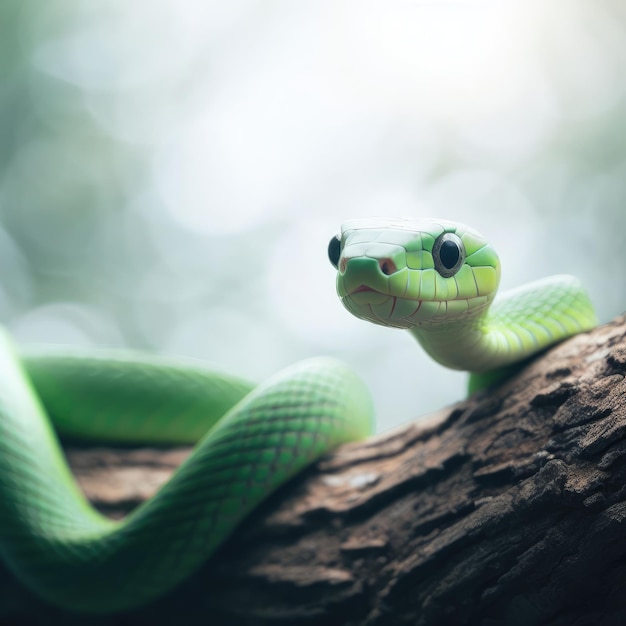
436,278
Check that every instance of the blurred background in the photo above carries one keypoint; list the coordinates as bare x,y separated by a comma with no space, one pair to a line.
171,172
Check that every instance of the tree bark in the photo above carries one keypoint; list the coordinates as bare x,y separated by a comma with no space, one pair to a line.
507,508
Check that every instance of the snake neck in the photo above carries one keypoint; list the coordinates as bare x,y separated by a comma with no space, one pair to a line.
454,345
518,324
483,345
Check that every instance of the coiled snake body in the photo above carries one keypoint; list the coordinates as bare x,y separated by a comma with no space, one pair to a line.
436,278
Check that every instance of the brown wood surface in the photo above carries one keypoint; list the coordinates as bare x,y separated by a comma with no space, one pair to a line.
507,508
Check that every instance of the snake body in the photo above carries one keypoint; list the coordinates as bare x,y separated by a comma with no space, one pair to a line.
435,278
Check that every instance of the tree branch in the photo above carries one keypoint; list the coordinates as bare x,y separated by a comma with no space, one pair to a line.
507,508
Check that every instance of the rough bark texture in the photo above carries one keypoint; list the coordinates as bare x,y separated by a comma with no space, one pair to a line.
508,508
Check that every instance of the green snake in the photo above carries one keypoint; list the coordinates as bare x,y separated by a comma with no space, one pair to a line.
436,278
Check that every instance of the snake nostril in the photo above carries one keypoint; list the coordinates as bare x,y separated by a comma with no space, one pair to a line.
387,266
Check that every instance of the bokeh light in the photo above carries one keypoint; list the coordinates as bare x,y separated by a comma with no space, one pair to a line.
170,174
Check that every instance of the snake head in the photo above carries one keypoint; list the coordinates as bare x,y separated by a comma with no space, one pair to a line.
413,272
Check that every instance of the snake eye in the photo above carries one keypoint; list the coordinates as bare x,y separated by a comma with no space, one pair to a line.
448,254
334,250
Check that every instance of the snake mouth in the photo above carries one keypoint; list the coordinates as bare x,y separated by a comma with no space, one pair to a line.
363,289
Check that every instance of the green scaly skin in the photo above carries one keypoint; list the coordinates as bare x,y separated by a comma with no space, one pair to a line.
390,273
60,547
